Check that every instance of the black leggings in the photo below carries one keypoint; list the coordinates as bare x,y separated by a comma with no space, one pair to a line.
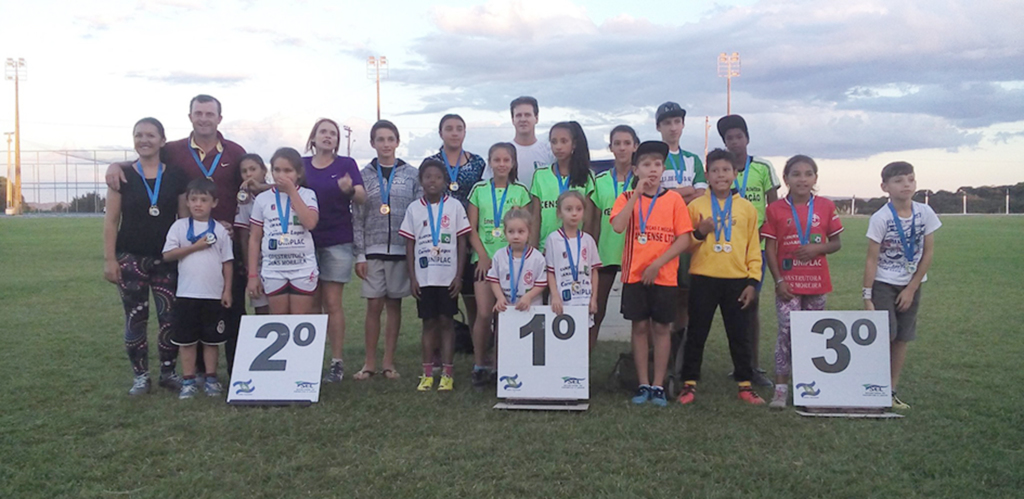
706,295
140,274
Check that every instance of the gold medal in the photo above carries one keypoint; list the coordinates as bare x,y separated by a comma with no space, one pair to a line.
154,211
642,239
577,287
454,186
385,209
496,232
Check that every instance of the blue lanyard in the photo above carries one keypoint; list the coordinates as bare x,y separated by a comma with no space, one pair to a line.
640,209
192,238
155,192
722,218
513,278
908,244
558,176
615,181
574,264
202,167
677,165
453,171
283,216
803,235
435,233
746,175
385,194
498,209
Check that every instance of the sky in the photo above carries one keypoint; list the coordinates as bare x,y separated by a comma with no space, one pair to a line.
854,84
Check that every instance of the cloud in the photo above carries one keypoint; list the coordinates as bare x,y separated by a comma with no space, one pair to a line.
189,78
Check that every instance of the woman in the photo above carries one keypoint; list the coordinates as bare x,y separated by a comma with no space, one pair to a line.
138,216
337,183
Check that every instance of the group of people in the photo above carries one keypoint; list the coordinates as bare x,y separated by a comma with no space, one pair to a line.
196,222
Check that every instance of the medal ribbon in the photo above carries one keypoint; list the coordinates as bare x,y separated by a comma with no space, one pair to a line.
640,210
453,171
513,278
558,176
574,264
722,218
283,215
746,175
192,238
435,233
385,194
803,235
615,181
153,193
677,165
498,209
202,167
908,243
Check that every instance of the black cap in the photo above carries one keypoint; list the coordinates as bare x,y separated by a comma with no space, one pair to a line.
651,147
731,121
668,110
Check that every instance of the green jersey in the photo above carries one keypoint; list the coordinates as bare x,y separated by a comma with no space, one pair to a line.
546,189
607,189
489,209
683,169
758,178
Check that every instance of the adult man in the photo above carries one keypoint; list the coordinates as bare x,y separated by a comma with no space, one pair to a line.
206,153
530,152
756,181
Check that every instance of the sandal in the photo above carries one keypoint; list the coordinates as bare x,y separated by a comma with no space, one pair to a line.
363,375
391,374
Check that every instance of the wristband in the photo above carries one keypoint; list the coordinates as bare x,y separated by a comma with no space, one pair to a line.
866,293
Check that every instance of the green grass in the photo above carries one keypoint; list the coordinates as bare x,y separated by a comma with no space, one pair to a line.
68,429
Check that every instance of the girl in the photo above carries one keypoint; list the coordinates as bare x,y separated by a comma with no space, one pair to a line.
571,170
337,184
488,202
435,229
254,176
139,213
798,231
281,220
608,186
391,185
572,259
518,272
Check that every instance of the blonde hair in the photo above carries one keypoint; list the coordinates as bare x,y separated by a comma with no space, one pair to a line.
517,214
569,194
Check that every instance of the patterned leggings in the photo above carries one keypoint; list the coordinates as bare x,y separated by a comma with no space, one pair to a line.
139,274
783,363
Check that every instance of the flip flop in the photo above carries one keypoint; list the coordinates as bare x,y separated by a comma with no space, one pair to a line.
363,375
391,374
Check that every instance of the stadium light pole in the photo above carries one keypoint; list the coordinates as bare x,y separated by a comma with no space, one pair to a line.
14,69
348,139
10,186
962,191
374,67
1007,200
728,67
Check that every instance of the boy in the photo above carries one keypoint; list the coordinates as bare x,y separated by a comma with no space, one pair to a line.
899,255
756,181
203,247
658,224
725,269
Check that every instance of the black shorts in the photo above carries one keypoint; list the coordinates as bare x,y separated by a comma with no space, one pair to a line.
640,302
609,271
468,278
198,320
436,301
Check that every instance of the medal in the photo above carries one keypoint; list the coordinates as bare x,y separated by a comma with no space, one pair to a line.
435,251
153,193
209,178
718,248
911,267
908,243
385,209
577,287
435,230
642,239
496,233
746,175
210,238
498,208
154,211
723,223
385,193
208,233
243,196
454,186
803,235
562,187
727,248
574,264
453,171
513,278
615,182
284,239
283,215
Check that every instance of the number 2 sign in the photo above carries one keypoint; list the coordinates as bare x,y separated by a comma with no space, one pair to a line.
841,359
278,360
543,355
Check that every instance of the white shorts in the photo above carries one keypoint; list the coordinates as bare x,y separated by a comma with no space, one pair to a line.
293,282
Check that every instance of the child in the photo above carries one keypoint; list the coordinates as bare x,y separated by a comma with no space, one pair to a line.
280,223
571,170
899,255
203,247
435,227
572,260
391,185
607,187
488,202
799,231
657,225
518,273
254,175
724,270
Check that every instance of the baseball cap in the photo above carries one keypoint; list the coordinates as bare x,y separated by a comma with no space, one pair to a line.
668,110
731,121
651,147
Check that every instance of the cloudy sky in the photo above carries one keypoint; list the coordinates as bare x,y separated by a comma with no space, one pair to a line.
855,84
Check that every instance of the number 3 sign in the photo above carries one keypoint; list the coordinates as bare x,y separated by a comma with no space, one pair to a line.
278,360
542,355
841,359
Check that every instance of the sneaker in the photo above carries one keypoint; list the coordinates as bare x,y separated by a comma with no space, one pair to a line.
750,396
759,379
480,378
170,380
189,389
447,383
687,394
780,398
426,383
213,388
658,396
899,404
643,394
335,373
140,386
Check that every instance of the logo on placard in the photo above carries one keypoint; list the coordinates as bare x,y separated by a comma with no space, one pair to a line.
571,383
305,386
809,391
511,382
243,387
874,390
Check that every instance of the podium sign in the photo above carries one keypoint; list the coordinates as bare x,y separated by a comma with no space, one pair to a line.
278,360
542,355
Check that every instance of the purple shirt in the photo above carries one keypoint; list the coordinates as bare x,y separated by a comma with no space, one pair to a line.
335,225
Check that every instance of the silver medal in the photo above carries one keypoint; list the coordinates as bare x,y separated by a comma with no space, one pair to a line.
727,248
454,186
154,211
243,196
642,239
284,239
210,238
911,267
718,248
435,251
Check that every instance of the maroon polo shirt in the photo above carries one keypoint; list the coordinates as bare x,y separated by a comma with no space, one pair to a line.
227,176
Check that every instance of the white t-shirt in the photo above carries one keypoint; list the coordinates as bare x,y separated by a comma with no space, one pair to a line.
242,214
200,274
891,262
281,252
533,273
528,159
586,259
442,268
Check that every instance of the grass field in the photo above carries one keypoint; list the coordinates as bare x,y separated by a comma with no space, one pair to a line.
68,429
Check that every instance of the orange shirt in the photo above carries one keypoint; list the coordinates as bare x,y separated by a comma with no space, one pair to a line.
669,219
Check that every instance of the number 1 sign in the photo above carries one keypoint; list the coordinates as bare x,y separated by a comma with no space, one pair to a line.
543,355
278,360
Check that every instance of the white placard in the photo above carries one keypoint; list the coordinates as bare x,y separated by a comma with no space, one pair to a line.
841,359
542,355
279,359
